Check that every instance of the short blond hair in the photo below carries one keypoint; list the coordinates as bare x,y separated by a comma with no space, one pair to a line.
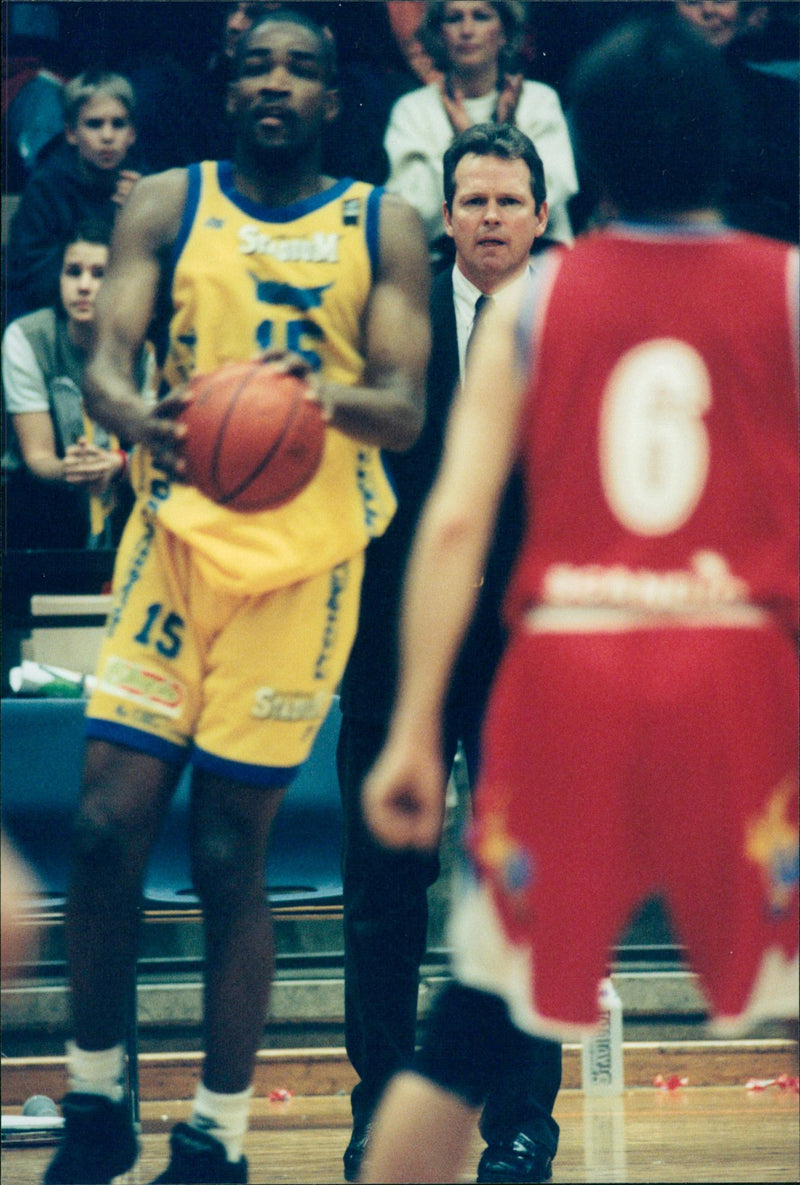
79,90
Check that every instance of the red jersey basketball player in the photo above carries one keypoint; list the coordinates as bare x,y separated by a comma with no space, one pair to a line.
642,733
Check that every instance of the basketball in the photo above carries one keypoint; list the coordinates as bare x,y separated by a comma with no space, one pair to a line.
253,438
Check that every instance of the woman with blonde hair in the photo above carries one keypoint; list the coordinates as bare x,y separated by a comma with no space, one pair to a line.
475,45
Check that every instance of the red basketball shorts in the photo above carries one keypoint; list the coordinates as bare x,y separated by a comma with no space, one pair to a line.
618,765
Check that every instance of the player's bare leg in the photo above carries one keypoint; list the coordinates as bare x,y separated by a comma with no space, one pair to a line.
420,1133
123,800
230,827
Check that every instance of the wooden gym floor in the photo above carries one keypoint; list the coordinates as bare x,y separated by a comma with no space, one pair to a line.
704,1133
713,1129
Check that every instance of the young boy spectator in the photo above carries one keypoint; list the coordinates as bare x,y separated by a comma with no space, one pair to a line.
84,178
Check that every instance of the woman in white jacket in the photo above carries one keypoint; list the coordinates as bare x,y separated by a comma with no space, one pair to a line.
474,44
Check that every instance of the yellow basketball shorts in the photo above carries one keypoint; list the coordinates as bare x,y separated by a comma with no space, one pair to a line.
238,684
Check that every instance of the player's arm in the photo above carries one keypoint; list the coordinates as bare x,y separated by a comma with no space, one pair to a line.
388,408
145,230
404,795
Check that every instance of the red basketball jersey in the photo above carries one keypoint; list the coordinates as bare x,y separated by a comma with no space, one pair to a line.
660,428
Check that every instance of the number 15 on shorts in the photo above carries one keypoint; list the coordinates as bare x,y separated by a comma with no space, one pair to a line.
162,631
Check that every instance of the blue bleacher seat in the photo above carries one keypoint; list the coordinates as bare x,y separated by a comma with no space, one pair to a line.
41,752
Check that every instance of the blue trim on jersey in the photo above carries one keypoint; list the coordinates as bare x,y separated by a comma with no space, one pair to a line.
276,213
134,738
187,219
268,777
373,228
165,307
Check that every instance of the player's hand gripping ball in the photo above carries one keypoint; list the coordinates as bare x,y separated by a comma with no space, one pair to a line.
253,437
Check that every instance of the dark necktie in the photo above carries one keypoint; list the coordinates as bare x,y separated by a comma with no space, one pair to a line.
480,307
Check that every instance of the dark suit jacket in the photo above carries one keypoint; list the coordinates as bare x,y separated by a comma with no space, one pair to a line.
369,681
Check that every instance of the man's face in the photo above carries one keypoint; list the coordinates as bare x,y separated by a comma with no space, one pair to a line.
494,221
281,100
103,132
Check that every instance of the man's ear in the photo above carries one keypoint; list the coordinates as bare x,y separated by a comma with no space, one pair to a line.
331,105
541,216
70,135
448,221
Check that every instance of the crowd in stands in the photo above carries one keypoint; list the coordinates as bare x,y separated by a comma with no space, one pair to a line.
91,100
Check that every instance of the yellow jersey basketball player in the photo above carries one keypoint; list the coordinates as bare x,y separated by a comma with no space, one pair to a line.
220,616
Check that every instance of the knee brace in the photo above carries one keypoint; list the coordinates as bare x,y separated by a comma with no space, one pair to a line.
463,1050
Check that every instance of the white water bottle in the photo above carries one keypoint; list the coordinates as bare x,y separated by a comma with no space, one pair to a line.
601,1054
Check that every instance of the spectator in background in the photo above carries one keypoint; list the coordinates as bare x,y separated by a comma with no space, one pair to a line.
762,191
405,18
33,115
85,177
721,22
63,475
474,43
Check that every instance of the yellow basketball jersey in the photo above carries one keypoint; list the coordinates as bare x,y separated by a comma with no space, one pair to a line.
247,278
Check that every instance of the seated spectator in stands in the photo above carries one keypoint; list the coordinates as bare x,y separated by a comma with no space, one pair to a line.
721,22
33,117
474,43
63,476
762,192
405,18
85,177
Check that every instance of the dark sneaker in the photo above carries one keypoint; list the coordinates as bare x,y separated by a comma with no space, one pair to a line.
355,1150
199,1159
98,1143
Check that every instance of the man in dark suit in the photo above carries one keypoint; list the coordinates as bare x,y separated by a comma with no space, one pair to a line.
495,208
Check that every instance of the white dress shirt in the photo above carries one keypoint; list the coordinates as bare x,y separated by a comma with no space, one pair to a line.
465,295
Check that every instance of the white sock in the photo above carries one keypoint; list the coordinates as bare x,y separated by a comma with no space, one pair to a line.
224,1116
97,1071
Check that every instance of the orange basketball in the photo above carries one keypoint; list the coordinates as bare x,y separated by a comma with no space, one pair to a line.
254,440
